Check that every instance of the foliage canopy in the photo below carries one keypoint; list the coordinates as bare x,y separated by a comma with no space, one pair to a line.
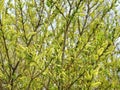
59,45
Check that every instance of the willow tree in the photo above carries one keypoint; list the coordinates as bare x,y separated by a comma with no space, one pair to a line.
59,45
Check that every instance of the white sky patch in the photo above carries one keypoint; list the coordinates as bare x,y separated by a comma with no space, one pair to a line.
53,25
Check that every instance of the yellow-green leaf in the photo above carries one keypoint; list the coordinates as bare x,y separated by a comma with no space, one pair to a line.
100,51
1,4
95,84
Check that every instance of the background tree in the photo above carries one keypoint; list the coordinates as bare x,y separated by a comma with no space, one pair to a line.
59,44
